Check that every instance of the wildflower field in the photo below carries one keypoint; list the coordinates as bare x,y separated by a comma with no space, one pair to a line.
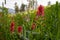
40,24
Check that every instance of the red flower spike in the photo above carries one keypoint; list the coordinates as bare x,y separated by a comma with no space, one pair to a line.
33,26
43,13
20,29
12,27
40,10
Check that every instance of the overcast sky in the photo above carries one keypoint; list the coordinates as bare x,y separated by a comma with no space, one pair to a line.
10,3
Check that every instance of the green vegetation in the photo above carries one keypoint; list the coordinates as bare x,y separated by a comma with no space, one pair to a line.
47,27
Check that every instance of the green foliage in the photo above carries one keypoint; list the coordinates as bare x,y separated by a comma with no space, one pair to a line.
47,27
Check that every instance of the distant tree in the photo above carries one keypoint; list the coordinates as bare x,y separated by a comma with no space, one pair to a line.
4,9
49,3
22,8
2,4
32,4
5,1
16,8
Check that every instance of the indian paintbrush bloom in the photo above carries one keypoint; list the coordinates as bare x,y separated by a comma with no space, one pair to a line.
40,10
12,26
33,26
20,29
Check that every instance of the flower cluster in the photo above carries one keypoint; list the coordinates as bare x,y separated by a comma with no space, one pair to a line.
33,26
40,10
19,29
12,28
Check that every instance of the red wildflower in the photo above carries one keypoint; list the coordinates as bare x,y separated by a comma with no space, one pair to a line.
40,10
38,13
42,13
12,27
33,26
20,29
